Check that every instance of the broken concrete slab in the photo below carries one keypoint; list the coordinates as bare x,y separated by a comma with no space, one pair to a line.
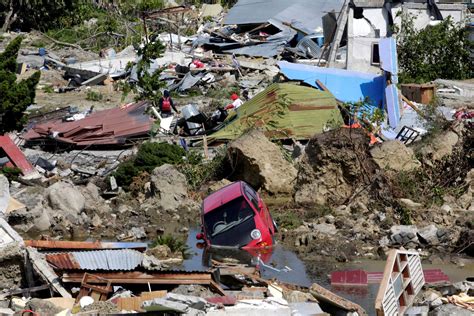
4,194
162,305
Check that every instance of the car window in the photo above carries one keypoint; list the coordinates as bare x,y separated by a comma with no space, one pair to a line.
228,215
252,196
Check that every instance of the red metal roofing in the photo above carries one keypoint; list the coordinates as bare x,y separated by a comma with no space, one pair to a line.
222,196
107,127
63,261
16,156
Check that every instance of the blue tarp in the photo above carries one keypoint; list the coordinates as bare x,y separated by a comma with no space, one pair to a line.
345,85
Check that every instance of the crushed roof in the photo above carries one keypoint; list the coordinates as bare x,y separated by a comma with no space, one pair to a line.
285,111
124,260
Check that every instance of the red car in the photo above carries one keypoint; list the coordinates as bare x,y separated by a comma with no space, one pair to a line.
236,217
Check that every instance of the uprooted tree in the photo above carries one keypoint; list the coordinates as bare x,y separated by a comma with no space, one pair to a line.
15,96
437,51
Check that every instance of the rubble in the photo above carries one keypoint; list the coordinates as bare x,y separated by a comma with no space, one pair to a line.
394,155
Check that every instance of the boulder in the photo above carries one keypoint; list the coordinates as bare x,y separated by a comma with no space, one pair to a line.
441,146
260,163
325,229
395,156
160,252
66,197
429,234
169,187
334,165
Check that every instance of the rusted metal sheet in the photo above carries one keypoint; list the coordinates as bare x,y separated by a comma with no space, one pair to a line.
63,261
402,280
16,156
108,127
327,296
84,245
136,277
124,259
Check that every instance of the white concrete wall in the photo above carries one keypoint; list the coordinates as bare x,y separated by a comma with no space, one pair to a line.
361,35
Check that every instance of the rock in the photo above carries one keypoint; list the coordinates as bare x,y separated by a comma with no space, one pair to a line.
446,209
6,311
42,307
440,147
395,156
43,222
334,166
409,204
194,290
404,235
66,197
96,221
218,185
298,297
4,194
450,309
11,266
260,163
159,251
169,186
429,234
325,229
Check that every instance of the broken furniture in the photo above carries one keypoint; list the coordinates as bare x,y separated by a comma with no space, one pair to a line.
97,292
402,280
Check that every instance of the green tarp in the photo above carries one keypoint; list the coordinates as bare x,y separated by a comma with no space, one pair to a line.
283,111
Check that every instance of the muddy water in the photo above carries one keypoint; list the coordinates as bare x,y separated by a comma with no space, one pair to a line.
283,264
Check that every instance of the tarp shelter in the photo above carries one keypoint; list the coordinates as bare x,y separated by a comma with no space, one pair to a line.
284,111
345,85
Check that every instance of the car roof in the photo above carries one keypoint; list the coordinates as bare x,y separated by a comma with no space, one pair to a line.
222,196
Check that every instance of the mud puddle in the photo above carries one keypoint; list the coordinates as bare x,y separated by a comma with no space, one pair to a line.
284,265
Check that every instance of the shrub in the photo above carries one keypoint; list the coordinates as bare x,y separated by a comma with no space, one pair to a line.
439,51
198,171
12,173
288,220
149,156
94,96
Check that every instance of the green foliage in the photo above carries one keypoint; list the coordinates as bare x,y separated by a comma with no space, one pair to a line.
198,171
288,220
149,156
15,96
12,173
405,216
48,89
317,211
94,96
175,244
439,51
368,116
148,85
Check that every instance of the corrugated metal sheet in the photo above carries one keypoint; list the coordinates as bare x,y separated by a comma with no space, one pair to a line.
16,156
304,114
125,260
107,127
83,245
261,11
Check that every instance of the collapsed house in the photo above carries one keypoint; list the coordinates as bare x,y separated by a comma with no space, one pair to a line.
285,111
116,126
362,24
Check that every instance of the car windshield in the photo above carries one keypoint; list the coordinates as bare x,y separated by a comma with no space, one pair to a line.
228,216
